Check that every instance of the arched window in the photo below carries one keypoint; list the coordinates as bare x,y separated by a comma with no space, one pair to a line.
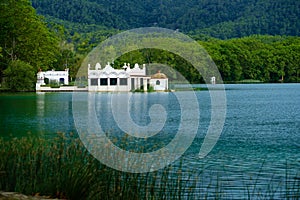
61,80
46,80
157,82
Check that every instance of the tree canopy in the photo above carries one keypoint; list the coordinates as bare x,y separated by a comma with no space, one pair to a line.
25,36
221,19
25,39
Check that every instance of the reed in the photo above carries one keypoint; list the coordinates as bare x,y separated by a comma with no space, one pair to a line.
63,168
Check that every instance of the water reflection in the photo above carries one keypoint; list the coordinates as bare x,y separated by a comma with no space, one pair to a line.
40,109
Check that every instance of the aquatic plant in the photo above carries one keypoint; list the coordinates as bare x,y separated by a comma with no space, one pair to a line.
62,167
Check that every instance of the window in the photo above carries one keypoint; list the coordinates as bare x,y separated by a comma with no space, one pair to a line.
46,80
157,82
61,80
103,81
132,84
94,81
113,81
123,81
141,81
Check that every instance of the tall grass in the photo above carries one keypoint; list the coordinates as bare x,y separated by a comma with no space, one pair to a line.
63,168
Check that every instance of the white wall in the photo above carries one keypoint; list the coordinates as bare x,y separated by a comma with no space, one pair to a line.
163,84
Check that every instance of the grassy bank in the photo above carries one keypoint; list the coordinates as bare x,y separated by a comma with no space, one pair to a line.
63,168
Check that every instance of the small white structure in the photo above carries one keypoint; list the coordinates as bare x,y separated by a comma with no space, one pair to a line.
159,81
127,79
213,80
61,77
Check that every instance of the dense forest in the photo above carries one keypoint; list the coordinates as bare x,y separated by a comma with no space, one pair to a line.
262,44
221,19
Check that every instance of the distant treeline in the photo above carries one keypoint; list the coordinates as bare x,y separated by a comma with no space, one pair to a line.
264,58
258,58
29,42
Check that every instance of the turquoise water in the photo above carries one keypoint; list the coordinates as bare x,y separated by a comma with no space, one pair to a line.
41,115
258,151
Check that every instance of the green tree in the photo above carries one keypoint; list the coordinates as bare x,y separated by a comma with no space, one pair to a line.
24,36
20,76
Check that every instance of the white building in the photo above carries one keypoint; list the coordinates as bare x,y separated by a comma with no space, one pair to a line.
127,79
159,81
213,80
61,77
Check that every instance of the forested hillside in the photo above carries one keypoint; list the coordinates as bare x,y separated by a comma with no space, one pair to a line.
221,19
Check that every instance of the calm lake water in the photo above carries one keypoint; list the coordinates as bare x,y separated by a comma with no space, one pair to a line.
258,151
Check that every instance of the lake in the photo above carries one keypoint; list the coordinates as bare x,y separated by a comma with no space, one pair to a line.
258,150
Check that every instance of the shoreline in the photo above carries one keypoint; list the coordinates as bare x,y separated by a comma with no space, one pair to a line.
16,195
199,87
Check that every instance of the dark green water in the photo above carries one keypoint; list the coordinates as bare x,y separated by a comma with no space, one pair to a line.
41,115
259,148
